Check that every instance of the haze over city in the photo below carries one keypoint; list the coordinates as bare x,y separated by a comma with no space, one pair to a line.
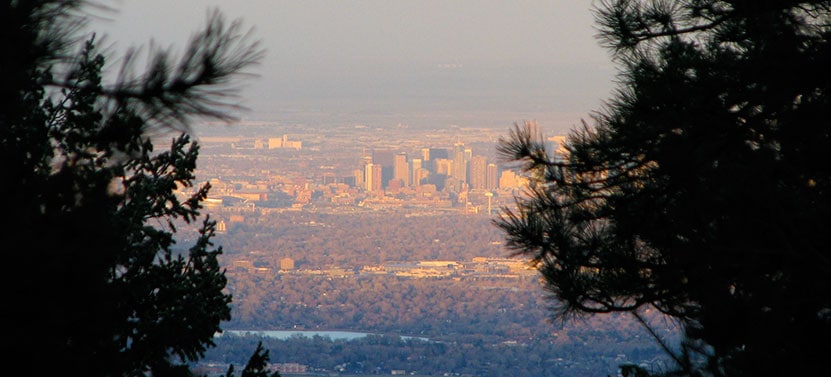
357,191
478,63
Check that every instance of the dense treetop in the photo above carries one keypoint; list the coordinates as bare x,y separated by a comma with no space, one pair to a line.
702,188
99,291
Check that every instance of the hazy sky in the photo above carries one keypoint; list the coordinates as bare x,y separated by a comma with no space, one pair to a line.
427,62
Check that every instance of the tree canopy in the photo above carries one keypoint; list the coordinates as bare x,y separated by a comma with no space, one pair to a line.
96,284
701,188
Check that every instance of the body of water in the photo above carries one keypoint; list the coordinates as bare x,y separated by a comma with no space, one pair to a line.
285,334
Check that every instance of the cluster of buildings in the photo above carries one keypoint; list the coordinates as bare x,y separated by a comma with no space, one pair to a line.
478,266
455,170
268,143
394,176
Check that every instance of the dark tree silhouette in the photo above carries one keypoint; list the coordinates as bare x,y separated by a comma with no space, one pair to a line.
256,366
701,189
93,284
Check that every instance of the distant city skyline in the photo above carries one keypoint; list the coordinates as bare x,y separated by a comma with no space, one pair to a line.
421,63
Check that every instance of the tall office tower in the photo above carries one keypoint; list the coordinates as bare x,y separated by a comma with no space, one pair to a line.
359,178
377,178
401,169
385,159
468,156
415,166
444,166
492,180
368,176
373,177
430,156
421,175
459,162
478,172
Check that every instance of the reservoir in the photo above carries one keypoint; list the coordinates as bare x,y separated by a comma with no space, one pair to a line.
286,334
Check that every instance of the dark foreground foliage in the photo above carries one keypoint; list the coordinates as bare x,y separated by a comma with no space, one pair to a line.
703,189
98,290
381,354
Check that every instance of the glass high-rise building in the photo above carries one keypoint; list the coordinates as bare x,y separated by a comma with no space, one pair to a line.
373,177
401,169
459,162
492,177
386,160
478,172
415,172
